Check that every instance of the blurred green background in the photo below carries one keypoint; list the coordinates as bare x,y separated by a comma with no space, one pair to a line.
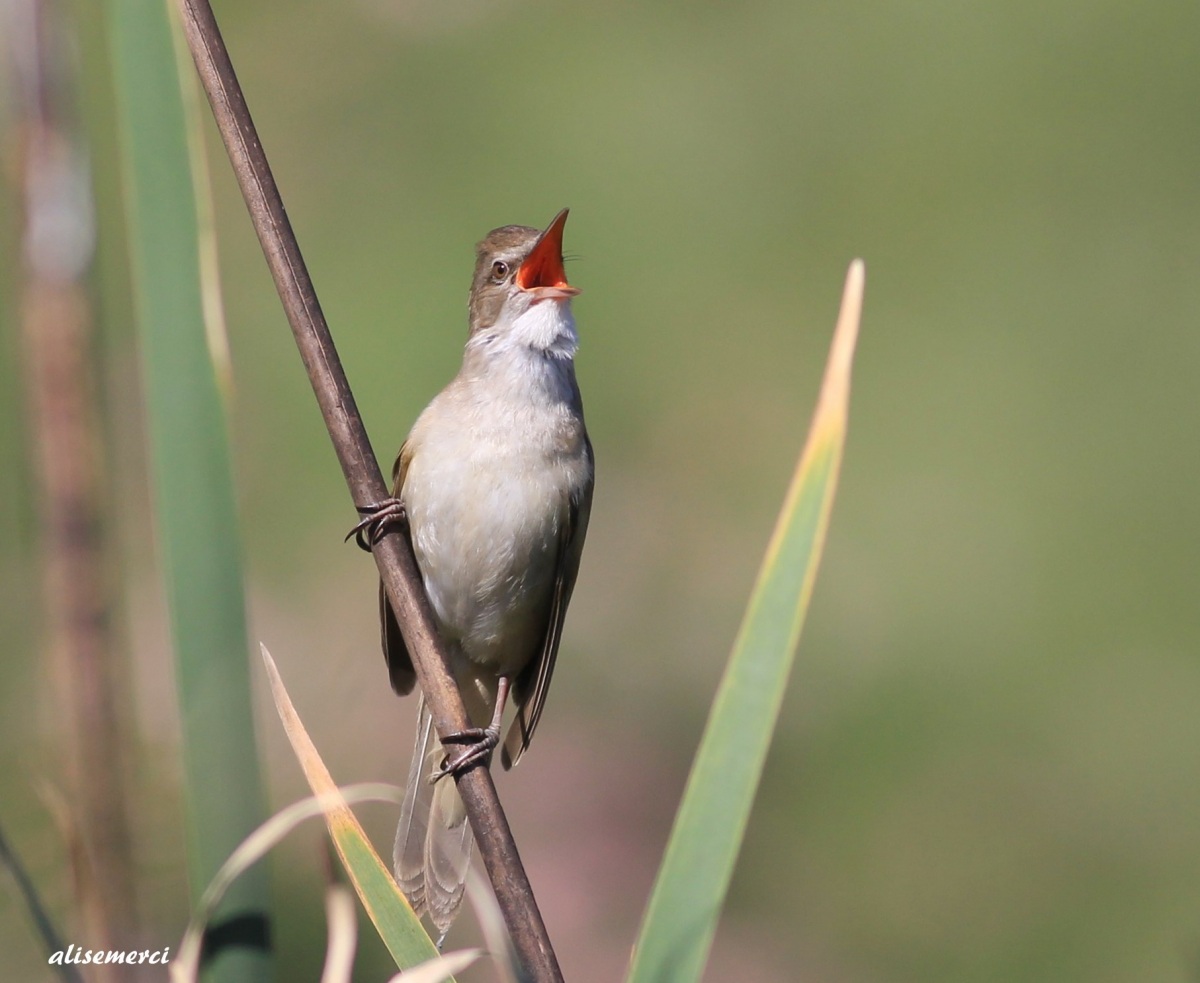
989,763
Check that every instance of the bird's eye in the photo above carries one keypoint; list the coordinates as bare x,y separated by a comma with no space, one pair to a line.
499,270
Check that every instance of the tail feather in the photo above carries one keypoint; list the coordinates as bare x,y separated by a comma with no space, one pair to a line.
433,841
409,853
447,855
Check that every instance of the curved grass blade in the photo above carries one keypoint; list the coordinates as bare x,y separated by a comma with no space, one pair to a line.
439,970
681,917
342,934
386,905
185,967
491,924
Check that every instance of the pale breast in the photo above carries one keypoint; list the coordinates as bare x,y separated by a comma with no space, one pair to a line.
486,492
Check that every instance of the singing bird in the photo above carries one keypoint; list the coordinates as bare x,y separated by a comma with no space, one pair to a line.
495,484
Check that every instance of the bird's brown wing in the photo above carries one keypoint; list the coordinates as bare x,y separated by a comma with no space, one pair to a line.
531,687
395,652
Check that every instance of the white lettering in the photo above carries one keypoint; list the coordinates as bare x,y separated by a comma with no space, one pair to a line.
74,955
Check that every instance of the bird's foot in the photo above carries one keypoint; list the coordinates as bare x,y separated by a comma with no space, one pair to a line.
478,744
377,518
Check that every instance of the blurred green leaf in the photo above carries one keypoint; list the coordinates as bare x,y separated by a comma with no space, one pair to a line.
682,915
194,514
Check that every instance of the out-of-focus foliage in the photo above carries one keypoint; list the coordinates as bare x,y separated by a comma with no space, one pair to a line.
987,763
194,513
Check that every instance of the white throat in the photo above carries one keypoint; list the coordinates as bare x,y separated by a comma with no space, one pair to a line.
546,326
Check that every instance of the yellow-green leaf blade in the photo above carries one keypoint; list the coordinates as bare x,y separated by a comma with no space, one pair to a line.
384,902
686,901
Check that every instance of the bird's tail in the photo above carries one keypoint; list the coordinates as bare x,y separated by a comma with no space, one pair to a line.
433,841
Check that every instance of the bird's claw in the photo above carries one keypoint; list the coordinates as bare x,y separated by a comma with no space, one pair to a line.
377,517
479,742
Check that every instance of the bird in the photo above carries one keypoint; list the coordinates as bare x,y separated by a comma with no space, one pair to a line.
494,484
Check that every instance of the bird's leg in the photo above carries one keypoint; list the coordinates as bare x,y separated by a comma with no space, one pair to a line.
479,742
377,517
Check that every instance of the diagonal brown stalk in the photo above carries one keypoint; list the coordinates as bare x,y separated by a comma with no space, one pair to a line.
393,554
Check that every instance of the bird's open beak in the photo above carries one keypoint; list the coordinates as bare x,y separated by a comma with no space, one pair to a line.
542,272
